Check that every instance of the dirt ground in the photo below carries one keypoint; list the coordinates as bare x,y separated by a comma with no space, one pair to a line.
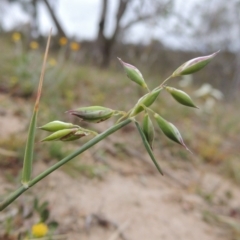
143,207
132,201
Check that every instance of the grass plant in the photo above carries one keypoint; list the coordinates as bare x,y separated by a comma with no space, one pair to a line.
61,131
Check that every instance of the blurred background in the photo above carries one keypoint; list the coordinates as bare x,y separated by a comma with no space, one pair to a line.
113,191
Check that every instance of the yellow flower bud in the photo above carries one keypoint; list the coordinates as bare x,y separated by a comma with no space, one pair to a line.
63,41
39,230
34,45
74,46
16,37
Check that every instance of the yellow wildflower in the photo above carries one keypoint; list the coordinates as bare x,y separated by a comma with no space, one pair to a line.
74,46
63,41
34,45
13,80
16,36
52,62
39,230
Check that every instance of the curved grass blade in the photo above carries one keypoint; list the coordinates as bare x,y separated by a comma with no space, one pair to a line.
148,148
28,156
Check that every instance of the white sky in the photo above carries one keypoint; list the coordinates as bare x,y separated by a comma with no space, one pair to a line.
79,18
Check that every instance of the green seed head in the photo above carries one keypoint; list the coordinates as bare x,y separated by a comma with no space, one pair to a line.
57,125
181,97
147,100
67,135
92,114
194,65
133,73
60,134
169,130
74,136
148,130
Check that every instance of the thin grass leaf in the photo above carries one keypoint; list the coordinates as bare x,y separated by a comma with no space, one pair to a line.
28,156
148,148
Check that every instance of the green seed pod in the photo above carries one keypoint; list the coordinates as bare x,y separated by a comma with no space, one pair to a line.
148,130
169,130
148,148
193,65
147,100
58,135
181,97
92,114
57,125
133,73
70,138
74,136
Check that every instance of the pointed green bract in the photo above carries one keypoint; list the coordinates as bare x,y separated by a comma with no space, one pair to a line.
193,65
170,130
133,73
148,130
148,148
58,135
74,136
147,100
70,134
93,113
181,97
71,138
57,125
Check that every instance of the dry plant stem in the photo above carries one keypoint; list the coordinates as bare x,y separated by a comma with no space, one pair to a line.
86,146
28,157
42,73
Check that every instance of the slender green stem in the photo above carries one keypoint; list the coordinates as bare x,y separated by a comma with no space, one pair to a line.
162,84
86,146
165,81
147,109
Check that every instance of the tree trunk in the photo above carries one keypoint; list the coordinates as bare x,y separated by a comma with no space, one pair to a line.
34,23
105,45
55,20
